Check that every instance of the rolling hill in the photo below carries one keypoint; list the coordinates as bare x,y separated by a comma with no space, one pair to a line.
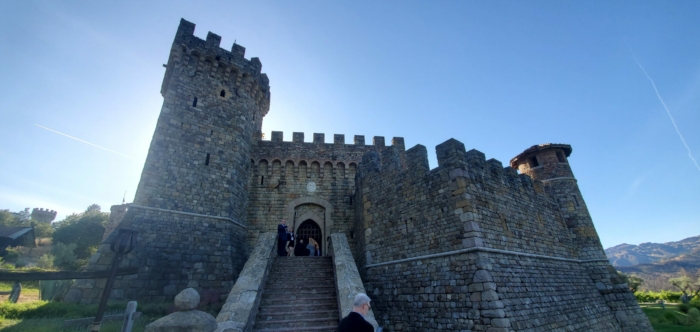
630,255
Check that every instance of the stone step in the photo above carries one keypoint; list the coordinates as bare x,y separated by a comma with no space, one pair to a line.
295,323
302,265
292,262
295,287
288,300
293,315
296,297
303,307
296,284
325,328
309,279
303,268
301,275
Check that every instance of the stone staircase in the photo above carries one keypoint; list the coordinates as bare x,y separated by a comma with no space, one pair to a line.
299,296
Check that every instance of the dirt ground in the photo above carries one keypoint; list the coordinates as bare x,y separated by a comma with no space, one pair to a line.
27,295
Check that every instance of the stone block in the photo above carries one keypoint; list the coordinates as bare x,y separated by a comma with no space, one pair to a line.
170,290
493,313
482,276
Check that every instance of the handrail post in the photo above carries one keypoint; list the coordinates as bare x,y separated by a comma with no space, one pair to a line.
123,244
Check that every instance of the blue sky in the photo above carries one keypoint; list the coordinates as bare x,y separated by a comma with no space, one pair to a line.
499,76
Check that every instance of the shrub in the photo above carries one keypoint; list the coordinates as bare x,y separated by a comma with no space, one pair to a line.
11,256
670,317
693,316
64,256
21,262
46,261
684,308
695,303
670,296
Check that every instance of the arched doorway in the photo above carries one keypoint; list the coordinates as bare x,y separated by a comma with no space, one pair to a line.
310,229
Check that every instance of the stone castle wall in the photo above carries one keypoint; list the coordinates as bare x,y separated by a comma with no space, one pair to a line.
416,211
471,245
175,251
282,174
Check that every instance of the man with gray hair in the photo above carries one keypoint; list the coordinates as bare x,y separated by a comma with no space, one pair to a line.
355,320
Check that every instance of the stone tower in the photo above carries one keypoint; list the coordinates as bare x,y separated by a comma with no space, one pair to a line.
214,102
43,215
191,202
548,163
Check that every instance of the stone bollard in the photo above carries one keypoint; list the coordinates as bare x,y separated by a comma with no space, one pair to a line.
186,319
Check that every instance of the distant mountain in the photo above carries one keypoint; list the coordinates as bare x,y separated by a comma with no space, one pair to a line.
688,262
659,255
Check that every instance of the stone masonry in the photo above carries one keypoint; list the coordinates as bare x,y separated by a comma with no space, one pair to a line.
468,246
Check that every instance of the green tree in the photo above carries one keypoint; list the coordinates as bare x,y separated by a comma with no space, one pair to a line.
23,217
687,286
85,230
64,256
633,282
42,229
7,218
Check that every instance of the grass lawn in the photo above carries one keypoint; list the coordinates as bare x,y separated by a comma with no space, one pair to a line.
39,316
32,315
667,320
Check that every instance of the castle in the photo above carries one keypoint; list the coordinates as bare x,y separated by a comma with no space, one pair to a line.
469,245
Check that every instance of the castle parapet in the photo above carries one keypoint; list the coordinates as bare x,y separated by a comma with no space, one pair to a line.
451,153
338,139
193,54
43,215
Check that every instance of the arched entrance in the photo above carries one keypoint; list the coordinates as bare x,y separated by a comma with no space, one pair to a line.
310,229
316,209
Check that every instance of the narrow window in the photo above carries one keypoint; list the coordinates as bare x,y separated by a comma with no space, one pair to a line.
222,93
350,200
206,162
575,199
194,102
533,162
211,133
182,124
262,179
560,157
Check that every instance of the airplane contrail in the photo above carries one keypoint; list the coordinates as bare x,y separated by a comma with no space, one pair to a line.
690,153
86,142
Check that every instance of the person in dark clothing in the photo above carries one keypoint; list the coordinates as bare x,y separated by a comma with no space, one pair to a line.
282,238
299,248
355,320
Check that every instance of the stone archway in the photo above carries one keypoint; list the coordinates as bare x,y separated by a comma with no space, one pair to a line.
321,215
310,229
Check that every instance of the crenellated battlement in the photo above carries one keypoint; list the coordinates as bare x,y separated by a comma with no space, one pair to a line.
338,139
317,155
454,159
195,56
43,215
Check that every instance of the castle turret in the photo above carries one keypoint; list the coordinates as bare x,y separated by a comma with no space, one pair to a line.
214,102
549,163
43,215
